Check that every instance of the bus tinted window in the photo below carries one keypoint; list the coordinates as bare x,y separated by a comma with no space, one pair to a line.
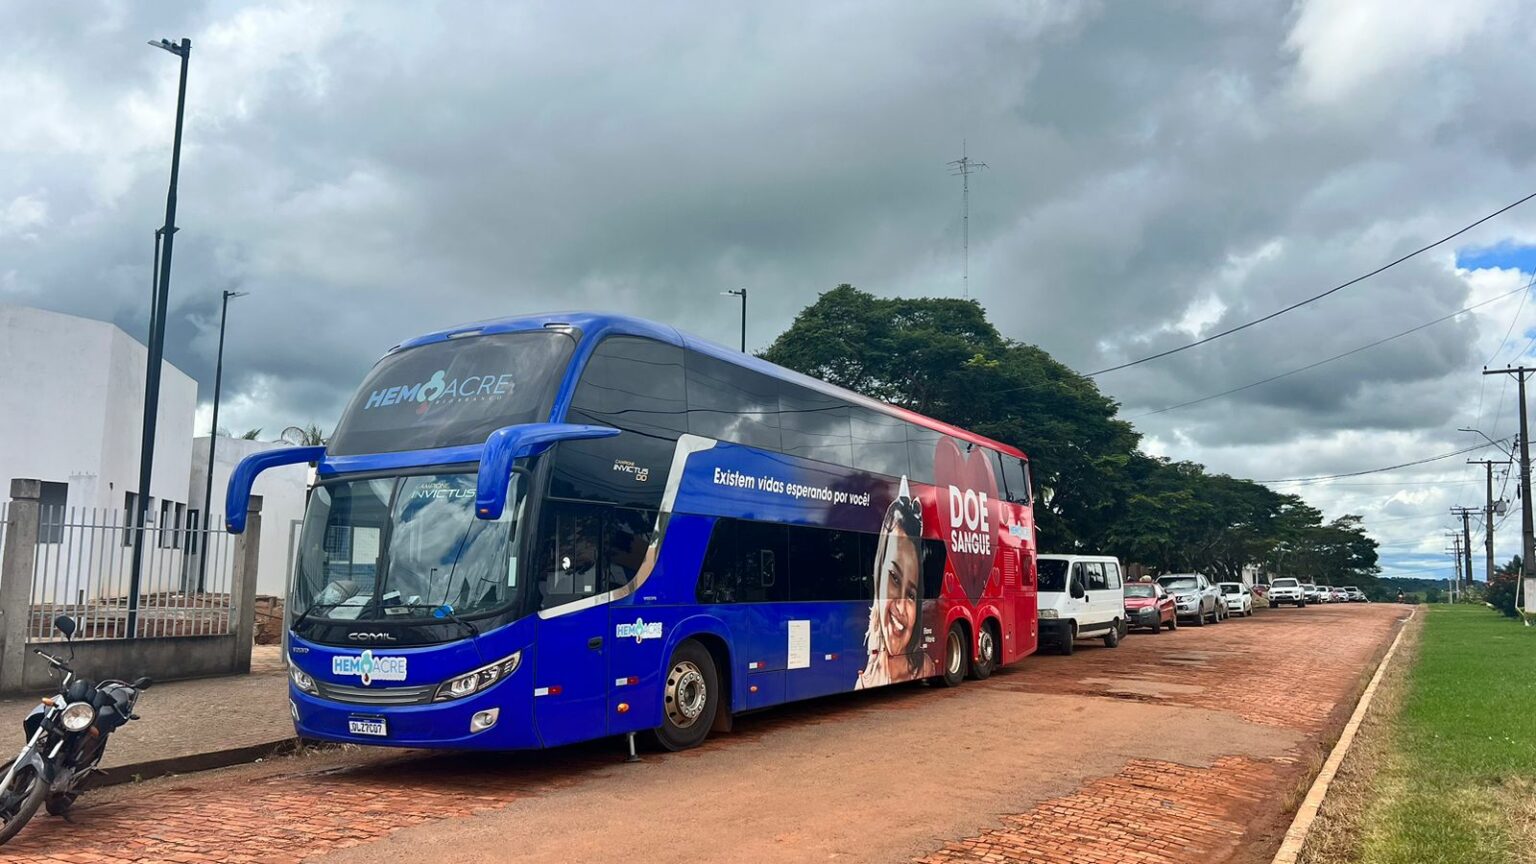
746,562
814,425
879,443
453,393
635,385
731,403
921,444
830,565
1015,479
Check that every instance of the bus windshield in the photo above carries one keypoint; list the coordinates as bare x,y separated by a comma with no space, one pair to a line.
447,394
400,548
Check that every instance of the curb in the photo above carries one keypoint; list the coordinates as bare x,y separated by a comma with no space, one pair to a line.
192,762
1296,835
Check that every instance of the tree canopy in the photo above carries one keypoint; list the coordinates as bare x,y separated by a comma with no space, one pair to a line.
1096,490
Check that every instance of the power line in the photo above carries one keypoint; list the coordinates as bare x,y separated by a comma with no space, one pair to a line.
1300,303
1334,357
1388,468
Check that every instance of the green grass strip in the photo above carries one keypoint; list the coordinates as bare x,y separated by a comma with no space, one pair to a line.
1463,748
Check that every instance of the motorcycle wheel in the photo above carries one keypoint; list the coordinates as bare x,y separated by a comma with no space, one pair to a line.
17,807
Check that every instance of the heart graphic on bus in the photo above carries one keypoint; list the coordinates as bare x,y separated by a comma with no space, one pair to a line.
967,491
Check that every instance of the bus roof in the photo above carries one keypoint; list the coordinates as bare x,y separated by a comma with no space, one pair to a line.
594,326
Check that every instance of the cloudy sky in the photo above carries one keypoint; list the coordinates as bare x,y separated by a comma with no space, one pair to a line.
369,171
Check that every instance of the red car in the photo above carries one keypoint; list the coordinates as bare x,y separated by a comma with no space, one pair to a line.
1149,607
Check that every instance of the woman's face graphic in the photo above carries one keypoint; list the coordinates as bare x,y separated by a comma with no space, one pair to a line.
898,575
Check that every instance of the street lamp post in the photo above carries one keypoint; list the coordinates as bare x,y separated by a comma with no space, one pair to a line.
742,293
213,440
156,343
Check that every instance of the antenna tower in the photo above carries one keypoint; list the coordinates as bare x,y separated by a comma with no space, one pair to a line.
964,167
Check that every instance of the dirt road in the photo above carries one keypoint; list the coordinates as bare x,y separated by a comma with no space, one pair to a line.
1187,746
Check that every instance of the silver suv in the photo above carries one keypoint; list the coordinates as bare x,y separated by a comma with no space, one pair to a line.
1194,597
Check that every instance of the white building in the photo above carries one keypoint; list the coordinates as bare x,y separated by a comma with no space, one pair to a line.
73,394
283,492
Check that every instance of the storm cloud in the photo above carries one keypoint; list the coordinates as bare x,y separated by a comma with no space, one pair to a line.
370,171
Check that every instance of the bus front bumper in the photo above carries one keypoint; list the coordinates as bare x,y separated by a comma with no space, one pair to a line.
459,724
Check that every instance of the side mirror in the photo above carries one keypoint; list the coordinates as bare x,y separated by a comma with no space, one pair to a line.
66,625
1078,591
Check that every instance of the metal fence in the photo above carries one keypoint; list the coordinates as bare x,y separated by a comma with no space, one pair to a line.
83,568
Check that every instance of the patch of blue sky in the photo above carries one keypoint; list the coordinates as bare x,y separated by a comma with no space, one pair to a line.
1506,255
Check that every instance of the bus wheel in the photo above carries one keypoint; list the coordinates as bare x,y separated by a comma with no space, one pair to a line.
691,695
986,651
956,654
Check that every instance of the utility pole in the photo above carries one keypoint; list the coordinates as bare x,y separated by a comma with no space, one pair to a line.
1455,552
963,168
156,344
1528,531
1466,539
1488,515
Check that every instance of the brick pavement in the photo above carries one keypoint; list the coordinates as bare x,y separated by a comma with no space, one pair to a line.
1154,811
251,710
1284,669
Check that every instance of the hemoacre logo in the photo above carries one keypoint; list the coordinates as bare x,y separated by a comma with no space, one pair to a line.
639,631
439,386
369,667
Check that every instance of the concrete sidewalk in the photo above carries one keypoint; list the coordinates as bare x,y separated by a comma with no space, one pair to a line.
192,725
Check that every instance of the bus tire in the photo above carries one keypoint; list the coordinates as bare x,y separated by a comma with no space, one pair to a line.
956,656
987,645
690,698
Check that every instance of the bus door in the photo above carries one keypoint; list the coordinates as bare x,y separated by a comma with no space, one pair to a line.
571,659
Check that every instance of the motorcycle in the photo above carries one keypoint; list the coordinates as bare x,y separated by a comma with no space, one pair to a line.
66,737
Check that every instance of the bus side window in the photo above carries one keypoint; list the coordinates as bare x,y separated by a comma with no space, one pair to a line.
762,551
717,582
1016,479
627,538
634,385
570,553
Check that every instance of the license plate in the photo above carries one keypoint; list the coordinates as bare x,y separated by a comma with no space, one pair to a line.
367,726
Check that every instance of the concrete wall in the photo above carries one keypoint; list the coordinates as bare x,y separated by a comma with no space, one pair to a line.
284,492
73,391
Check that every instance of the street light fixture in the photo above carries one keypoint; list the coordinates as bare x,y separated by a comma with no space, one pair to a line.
742,293
1496,445
156,351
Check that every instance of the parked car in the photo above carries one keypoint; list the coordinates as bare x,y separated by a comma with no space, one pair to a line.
1194,597
1259,590
1080,595
1239,598
1287,590
1338,595
1314,594
1355,594
1149,607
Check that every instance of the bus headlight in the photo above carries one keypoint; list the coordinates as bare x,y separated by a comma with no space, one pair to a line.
471,683
77,717
302,680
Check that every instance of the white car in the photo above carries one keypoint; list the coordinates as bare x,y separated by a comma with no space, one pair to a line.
1239,598
1080,595
1287,590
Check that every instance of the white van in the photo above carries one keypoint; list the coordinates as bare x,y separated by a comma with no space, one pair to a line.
1080,595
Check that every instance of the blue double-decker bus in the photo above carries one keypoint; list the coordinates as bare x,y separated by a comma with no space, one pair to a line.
540,530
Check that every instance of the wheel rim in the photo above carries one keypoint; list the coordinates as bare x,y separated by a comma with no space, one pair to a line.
988,646
956,658
686,694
